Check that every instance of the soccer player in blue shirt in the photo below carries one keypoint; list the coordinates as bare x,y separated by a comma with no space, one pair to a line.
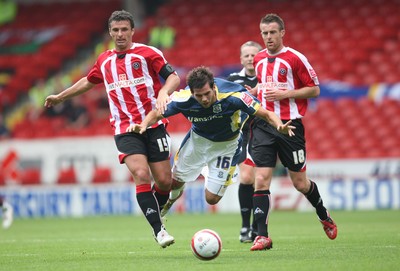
217,110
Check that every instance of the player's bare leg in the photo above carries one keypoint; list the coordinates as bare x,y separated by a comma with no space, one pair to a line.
175,194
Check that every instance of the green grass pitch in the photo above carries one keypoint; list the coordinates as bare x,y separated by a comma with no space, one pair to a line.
367,240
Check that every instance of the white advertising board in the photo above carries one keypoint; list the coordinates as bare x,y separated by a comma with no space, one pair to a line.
114,199
344,184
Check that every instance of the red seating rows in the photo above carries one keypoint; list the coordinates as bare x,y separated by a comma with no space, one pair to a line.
352,41
345,128
78,27
349,128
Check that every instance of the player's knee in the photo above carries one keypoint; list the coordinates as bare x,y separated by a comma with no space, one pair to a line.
141,175
212,199
246,180
163,180
301,185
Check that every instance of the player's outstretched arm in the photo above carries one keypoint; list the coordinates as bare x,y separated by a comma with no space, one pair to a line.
274,120
76,89
149,120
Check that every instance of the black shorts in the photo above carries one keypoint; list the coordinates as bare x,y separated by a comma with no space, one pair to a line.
268,144
154,143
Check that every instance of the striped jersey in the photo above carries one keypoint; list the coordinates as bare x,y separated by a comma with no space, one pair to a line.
288,70
132,82
224,119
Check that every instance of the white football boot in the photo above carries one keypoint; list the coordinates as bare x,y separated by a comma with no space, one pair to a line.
164,239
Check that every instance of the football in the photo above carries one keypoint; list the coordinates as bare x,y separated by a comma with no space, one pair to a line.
206,244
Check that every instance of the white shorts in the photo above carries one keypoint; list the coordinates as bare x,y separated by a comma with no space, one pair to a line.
220,158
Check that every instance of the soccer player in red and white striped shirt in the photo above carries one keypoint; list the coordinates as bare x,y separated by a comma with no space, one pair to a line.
130,74
286,81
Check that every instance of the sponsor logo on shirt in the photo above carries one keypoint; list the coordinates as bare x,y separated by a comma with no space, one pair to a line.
203,119
312,72
313,76
126,83
247,99
273,85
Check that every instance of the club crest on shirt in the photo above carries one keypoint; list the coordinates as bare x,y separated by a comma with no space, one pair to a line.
217,108
136,65
282,71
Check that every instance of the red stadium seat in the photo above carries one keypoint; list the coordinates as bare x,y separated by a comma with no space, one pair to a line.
30,176
102,175
67,176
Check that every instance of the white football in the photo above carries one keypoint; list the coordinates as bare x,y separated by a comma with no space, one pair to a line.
206,244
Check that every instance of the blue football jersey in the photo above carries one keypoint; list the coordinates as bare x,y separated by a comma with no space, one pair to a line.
221,121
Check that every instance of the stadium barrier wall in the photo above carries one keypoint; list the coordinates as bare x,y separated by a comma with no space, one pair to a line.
364,184
119,199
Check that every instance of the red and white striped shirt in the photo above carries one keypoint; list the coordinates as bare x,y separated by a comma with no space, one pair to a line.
287,70
132,83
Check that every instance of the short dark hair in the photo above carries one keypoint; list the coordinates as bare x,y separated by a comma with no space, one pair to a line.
198,77
121,15
273,18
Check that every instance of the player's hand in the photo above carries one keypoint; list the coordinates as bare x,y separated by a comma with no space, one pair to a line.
162,101
253,91
136,128
274,94
52,100
286,128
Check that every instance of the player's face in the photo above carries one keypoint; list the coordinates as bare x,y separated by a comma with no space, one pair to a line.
272,36
121,32
246,58
206,96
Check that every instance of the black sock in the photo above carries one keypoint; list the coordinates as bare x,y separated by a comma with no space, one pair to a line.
315,199
261,205
150,209
254,226
246,203
161,196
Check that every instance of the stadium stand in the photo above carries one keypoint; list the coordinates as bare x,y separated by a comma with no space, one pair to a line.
353,42
43,36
